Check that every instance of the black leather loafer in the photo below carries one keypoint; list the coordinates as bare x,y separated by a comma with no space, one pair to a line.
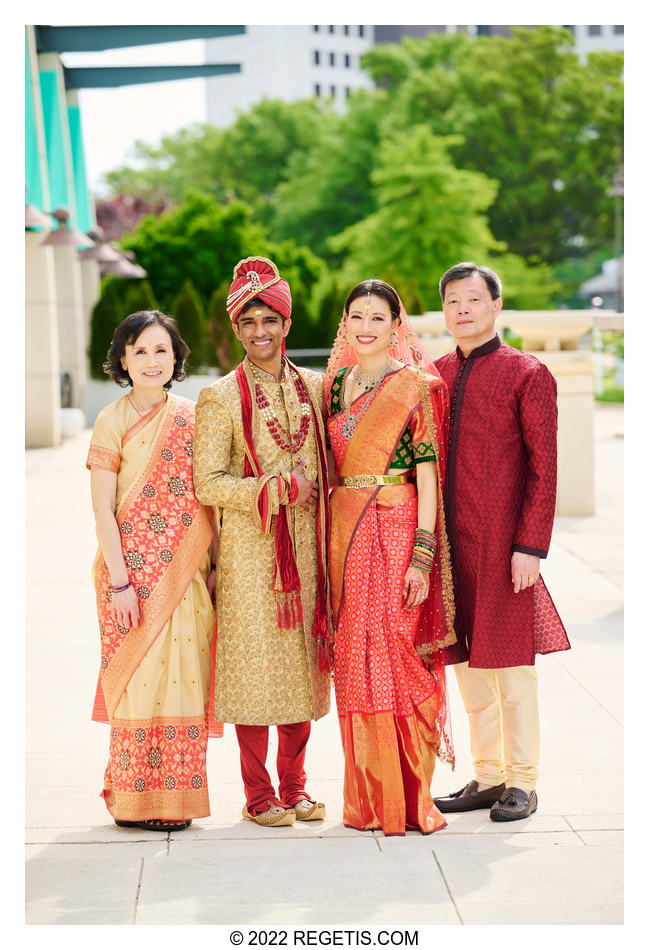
514,804
469,798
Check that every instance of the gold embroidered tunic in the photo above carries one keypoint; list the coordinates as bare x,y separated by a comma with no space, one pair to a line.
263,675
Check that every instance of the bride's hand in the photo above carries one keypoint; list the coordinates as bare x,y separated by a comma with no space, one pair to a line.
415,588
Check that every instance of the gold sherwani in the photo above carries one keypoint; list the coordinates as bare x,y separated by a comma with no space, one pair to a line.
263,675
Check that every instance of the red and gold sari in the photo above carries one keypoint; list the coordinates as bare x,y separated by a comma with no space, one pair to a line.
390,688
153,685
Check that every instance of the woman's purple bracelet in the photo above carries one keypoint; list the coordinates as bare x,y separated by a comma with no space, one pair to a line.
118,590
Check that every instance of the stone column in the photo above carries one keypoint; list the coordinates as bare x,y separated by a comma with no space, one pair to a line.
573,372
90,291
72,321
553,337
42,368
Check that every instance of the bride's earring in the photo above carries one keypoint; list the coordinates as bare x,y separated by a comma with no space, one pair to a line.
393,339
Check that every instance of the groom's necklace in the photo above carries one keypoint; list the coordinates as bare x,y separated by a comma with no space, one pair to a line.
281,436
368,381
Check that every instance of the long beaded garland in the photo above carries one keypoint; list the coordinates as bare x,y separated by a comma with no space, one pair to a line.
285,440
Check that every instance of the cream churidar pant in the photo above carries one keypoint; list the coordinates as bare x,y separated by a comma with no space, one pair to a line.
502,706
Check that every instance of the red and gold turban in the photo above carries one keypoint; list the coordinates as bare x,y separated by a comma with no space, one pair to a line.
258,277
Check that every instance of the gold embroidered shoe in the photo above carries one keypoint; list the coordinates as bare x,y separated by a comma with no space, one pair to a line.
273,817
309,811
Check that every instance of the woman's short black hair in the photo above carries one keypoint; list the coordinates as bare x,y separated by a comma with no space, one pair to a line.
127,333
380,289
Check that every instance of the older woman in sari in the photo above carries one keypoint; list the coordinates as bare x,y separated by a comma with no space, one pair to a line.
392,597
151,578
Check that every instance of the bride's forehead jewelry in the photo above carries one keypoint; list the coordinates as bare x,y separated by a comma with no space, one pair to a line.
367,306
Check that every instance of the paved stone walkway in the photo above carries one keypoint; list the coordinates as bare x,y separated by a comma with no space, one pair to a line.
561,866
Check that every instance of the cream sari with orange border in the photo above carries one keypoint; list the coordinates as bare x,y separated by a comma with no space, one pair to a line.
154,679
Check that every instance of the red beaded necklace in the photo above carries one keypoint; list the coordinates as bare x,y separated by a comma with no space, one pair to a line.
285,440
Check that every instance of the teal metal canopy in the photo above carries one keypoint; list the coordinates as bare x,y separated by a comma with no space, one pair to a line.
104,77
86,39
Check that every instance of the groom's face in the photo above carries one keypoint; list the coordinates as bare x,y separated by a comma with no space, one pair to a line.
261,330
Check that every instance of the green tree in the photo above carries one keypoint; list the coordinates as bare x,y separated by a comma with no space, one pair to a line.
198,240
429,216
531,116
261,145
189,314
329,299
226,348
328,186
107,313
183,161
138,295
527,285
245,161
303,270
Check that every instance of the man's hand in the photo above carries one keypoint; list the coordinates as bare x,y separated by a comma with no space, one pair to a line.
525,570
307,491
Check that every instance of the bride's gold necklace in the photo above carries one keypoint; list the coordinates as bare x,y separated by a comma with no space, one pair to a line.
368,381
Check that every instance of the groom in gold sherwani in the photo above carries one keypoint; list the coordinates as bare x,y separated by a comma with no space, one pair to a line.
260,457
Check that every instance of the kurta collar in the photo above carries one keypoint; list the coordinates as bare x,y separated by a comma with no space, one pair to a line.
489,347
266,376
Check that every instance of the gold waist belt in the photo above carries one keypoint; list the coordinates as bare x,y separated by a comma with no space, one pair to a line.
366,481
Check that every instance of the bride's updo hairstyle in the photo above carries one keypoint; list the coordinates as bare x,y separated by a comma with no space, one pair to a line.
380,289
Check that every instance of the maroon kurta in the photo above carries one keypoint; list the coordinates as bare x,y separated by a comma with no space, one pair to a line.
500,497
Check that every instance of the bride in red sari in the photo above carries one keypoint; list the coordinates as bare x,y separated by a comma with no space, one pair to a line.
391,584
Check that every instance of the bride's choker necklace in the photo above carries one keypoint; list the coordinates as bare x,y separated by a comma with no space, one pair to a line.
370,380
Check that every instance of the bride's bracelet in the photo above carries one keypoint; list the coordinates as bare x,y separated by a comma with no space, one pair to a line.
422,536
423,550
422,563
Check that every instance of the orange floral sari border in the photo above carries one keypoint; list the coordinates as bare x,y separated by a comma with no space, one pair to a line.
102,457
167,805
151,721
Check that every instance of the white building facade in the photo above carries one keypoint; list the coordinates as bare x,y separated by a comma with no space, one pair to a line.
288,63
588,39
323,61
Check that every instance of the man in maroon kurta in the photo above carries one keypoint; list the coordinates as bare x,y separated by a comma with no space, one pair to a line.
500,500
